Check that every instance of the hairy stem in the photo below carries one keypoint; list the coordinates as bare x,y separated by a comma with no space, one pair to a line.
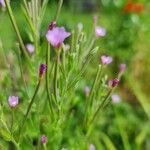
47,79
13,21
58,10
29,109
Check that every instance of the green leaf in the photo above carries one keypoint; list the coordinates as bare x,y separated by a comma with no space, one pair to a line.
6,135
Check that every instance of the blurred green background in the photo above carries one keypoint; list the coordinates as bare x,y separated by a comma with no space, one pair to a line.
128,40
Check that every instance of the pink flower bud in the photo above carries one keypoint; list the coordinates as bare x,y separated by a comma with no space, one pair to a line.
122,68
43,139
13,101
86,91
105,60
113,83
42,70
52,25
30,48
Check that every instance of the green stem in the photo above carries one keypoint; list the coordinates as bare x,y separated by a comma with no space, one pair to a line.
21,71
102,105
47,79
89,100
56,74
13,21
29,108
12,120
58,10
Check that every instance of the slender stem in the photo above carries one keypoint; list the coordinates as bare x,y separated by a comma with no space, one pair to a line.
21,71
89,100
12,18
47,79
12,120
29,108
102,104
58,10
56,74
45,147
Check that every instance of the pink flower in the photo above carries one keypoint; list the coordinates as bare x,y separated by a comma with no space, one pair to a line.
30,48
115,98
105,60
2,3
100,31
122,68
42,70
92,147
56,36
113,83
86,91
13,101
43,139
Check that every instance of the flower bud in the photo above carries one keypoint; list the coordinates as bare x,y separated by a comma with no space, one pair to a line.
13,101
42,70
43,139
113,83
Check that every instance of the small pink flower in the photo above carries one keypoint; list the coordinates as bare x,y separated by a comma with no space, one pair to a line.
86,91
13,101
92,147
30,48
122,68
43,139
115,98
113,83
56,36
100,31
105,60
42,70
2,3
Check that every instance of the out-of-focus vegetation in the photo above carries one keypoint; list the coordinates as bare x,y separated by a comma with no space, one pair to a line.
123,125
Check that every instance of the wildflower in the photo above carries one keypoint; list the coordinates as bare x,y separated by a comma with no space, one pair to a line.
56,36
122,68
113,83
43,139
30,48
52,25
92,147
115,98
105,60
100,31
2,3
13,101
42,70
86,91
